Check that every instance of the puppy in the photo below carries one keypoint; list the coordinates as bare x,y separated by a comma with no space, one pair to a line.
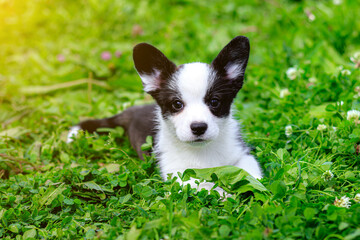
191,122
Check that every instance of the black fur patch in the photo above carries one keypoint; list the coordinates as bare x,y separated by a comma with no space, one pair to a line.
224,92
137,121
164,98
147,59
224,88
235,52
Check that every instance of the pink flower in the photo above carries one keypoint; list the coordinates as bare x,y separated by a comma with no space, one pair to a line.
60,58
106,55
118,54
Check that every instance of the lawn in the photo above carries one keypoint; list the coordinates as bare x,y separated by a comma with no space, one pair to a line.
62,61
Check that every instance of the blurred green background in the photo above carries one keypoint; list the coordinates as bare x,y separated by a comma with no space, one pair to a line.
44,42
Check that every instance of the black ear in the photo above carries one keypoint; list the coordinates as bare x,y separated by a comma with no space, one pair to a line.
231,62
153,66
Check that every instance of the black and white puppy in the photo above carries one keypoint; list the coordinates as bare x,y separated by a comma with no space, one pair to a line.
192,121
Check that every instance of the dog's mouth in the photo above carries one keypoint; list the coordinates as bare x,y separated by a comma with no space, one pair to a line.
199,142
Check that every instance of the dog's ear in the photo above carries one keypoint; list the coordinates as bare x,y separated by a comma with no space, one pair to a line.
153,66
230,64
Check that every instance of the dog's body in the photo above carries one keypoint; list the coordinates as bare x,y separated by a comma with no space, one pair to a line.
191,123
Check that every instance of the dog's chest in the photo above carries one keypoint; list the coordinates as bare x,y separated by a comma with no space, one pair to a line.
174,157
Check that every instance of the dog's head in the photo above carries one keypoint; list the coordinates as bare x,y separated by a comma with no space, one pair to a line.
194,98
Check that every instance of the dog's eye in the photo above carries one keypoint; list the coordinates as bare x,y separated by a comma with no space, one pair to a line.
214,102
177,105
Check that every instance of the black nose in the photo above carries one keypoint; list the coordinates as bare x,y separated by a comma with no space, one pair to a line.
198,128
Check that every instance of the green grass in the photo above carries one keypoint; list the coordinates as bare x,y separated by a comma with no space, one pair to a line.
98,188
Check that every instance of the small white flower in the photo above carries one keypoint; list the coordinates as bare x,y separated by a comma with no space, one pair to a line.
340,103
334,128
344,201
291,73
337,2
353,115
294,72
310,15
288,130
284,92
357,198
345,72
327,175
355,58
321,127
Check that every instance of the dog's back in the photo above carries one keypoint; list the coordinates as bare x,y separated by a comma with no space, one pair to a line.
137,121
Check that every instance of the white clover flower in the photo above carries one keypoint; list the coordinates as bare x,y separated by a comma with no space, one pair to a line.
340,103
321,127
310,15
353,115
346,72
288,130
344,201
327,175
284,92
291,73
357,198
355,58
294,72
337,2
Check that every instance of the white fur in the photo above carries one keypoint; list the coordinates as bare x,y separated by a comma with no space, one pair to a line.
177,156
234,71
150,82
192,82
175,147
74,131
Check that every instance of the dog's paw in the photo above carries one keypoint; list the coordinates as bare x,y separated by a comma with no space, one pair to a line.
210,185
73,132
223,193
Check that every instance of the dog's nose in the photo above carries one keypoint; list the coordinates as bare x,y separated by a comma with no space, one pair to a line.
198,128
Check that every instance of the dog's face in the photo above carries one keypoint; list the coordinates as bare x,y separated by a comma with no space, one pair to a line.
195,98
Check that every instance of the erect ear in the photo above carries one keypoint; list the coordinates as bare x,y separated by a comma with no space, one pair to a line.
230,64
153,66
